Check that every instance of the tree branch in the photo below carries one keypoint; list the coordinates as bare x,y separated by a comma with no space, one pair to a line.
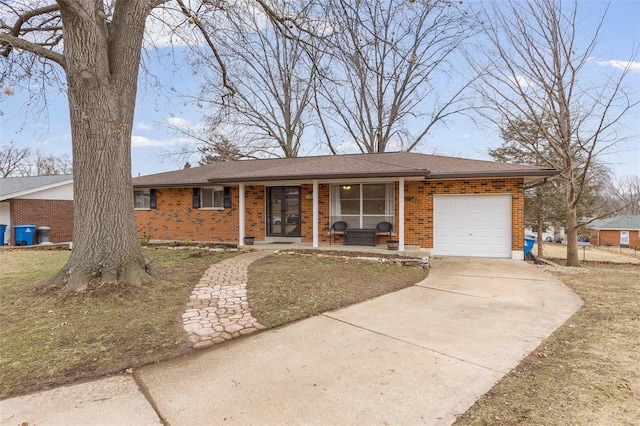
10,42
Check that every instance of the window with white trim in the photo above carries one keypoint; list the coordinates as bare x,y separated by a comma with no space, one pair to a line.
362,205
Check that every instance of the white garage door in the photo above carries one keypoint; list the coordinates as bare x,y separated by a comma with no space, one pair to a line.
472,225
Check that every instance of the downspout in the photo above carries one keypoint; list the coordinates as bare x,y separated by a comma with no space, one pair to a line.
401,214
241,215
315,214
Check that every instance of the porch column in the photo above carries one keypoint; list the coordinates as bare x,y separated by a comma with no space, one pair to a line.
315,213
241,214
401,214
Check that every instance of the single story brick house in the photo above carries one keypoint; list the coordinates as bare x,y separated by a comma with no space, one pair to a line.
443,205
617,231
39,201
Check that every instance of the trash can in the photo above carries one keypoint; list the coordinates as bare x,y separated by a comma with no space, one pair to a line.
24,234
2,229
43,234
528,245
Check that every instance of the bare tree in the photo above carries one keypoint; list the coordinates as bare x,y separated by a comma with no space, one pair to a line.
100,59
46,165
622,196
388,70
14,161
271,74
535,68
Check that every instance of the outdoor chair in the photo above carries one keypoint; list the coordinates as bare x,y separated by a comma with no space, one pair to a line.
338,228
383,228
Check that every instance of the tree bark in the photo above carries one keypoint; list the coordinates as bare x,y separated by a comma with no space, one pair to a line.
102,71
540,220
572,225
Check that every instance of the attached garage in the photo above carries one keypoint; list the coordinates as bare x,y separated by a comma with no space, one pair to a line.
472,225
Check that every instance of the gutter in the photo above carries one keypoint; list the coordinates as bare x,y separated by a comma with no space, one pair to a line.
424,174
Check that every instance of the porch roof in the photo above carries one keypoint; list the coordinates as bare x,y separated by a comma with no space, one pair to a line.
381,165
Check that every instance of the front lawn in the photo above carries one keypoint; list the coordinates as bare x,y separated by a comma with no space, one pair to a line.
48,338
286,288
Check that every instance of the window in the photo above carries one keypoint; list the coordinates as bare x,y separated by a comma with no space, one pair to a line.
362,205
216,197
144,198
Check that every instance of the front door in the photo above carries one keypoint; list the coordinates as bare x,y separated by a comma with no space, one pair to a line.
283,211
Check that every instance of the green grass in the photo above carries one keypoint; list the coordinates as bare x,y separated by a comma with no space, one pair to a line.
286,288
49,338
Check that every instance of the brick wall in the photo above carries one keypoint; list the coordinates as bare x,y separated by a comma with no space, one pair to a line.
176,219
56,214
613,238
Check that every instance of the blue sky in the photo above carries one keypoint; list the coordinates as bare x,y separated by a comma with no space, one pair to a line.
159,107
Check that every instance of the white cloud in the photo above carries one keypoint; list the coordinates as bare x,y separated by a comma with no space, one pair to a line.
179,122
633,66
144,126
144,142
519,81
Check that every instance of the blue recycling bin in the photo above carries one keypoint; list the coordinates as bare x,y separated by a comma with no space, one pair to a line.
24,234
528,245
2,229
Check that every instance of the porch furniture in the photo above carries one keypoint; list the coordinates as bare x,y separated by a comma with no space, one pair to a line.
361,237
383,228
338,228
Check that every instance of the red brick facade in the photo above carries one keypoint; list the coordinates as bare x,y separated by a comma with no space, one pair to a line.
175,218
608,237
56,214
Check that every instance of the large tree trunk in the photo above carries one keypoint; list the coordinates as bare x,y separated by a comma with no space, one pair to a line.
540,221
572,238
102,77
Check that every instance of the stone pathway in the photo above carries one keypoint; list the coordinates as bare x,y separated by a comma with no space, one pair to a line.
218,309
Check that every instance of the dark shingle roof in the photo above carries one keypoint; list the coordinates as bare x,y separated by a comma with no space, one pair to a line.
22,185
389,164
617,223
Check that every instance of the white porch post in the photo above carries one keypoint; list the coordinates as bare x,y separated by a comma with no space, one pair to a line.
315,213
241,214
401,214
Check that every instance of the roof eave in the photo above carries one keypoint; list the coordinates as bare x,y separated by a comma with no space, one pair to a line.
495,174
422,174
36,189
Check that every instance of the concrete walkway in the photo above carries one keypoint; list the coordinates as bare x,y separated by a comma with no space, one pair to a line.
417,356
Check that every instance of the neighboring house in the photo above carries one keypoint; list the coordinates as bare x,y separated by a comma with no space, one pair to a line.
617,231
443,205
39,201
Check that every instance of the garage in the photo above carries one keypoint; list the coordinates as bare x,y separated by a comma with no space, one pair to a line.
472,225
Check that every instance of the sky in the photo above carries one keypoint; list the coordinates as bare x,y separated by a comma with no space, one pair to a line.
161,108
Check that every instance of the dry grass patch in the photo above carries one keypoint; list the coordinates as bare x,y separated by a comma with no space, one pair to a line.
48,338
588,371
287,288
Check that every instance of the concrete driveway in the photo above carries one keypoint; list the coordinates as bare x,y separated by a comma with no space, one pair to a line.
417,356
